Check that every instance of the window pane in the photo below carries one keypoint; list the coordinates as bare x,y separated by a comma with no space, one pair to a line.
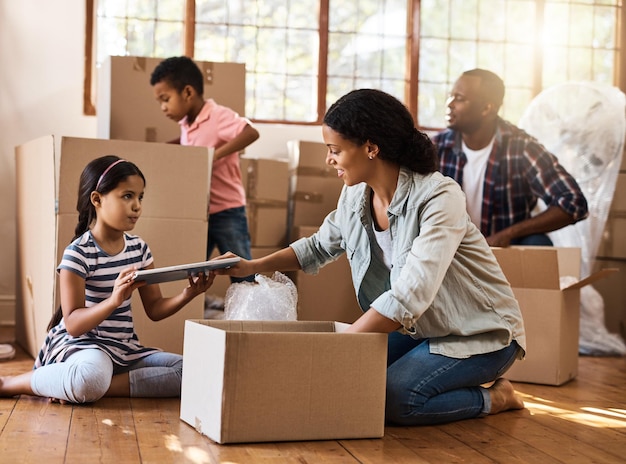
431,104
433,63
279,44
367,46
492,20
463,19
141,28
435,18
520,22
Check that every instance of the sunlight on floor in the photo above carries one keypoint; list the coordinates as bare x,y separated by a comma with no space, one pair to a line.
192,454
125,430
591,416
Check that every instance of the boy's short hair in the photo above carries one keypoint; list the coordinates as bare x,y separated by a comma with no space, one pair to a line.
179,71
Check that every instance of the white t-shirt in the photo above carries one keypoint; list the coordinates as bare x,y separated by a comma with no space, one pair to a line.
474,179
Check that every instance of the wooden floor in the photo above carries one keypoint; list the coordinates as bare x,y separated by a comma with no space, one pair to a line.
581,422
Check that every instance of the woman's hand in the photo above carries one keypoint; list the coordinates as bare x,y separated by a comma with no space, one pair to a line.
373,321
243,268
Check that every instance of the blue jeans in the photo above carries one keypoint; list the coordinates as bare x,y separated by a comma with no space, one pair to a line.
533,240
228,231
425,388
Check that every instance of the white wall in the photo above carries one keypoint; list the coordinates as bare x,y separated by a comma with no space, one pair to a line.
41,91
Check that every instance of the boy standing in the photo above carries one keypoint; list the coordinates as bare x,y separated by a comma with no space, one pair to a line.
178,86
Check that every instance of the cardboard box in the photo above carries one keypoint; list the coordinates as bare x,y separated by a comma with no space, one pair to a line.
126,107
612,244
173,223
259,381
551,313
613,291
329,294
314,187
267,186
265,179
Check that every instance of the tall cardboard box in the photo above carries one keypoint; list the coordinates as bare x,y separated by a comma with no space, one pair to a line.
259,381
314,187
551,311
173,223
126,107
266,182
329,294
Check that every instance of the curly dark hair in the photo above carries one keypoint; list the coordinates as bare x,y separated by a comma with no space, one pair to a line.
179,71
372,115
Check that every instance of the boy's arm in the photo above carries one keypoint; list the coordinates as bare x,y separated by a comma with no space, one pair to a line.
248,135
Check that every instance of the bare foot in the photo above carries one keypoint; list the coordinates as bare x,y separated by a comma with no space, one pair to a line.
16,385
503,397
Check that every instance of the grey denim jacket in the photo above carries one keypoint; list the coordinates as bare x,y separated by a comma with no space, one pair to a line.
444,284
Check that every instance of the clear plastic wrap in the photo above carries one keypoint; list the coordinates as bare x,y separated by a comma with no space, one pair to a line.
265,299
584,125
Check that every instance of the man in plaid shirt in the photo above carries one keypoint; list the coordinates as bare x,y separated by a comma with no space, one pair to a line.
503,170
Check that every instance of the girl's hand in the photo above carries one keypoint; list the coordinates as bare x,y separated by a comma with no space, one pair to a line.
124,286
200,283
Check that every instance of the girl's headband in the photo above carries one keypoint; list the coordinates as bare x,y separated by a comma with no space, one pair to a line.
107,170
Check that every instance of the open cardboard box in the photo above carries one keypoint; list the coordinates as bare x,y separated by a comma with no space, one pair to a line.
551,312
259,381
173,223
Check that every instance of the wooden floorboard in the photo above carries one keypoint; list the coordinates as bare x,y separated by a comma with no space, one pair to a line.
580,422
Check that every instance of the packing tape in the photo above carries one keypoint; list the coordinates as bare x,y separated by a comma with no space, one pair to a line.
315,171
311,197
207,70
139,64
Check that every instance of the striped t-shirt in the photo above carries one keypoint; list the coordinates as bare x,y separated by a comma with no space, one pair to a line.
116,334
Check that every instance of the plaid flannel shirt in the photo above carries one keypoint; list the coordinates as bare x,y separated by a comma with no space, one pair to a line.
519,171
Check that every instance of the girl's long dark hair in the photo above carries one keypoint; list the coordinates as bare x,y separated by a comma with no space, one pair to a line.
101,175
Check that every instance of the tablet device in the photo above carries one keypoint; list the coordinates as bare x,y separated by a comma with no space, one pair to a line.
182,271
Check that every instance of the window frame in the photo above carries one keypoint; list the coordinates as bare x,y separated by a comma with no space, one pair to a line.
412,68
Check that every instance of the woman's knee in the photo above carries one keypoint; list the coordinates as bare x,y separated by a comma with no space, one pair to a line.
402,404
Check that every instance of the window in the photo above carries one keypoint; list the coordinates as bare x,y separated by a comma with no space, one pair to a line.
302,55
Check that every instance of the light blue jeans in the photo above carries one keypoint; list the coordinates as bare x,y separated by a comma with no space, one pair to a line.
85,376
228,231
425,388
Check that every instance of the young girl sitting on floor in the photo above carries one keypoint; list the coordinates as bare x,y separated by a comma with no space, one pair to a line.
91,349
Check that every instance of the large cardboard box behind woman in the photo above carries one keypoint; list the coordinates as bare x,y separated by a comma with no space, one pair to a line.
173,223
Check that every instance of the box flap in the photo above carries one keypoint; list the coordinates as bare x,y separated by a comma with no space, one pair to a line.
592,278
529,267
269,326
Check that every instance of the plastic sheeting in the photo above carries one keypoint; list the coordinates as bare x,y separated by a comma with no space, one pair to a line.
584,125
265,299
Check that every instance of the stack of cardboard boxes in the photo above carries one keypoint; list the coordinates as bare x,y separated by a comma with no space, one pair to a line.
612,253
